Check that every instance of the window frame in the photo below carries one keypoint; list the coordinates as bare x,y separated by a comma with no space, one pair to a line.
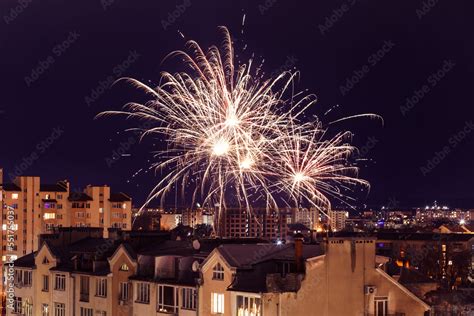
59,282
45,283
59,309
142,288
218,272
248,301
384,301
86,311
101,287
189,298
162,306
124,288
217,303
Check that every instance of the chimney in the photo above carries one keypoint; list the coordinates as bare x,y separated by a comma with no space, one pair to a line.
299,252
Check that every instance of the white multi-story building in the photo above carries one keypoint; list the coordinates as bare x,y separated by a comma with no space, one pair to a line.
337,219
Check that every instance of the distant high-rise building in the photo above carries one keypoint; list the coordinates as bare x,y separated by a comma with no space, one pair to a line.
307,216
30,208
337,219
197,216
258,223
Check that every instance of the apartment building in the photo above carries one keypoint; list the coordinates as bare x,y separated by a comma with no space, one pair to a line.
340,277
119,276
82,273
306,216
337,219
258,223
40,208
197,216
31,208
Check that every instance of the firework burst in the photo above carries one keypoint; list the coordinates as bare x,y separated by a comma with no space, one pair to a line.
231,132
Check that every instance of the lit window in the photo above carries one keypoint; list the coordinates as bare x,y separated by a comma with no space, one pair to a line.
167,299
217,303
14,196
10,227
49,216
124,267
248,305
44,310
218,272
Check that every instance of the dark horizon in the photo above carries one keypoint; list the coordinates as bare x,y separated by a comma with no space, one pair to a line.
394,50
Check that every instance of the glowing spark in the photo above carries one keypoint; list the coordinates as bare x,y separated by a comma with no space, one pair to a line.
232,121
298,177
246,163
220,148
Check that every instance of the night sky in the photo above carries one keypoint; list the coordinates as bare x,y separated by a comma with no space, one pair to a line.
56,57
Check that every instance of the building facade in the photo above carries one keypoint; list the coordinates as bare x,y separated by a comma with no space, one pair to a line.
82,273
337,220
340,277
31,208
257,223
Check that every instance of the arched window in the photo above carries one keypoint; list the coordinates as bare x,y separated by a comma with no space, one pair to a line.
123,267
218,272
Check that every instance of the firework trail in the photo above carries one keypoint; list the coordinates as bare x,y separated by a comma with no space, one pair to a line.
229,131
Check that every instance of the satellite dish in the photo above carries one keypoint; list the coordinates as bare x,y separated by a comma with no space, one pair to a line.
196,244
195,266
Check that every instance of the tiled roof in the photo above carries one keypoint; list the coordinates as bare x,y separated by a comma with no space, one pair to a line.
57,187
169,247
243,256
410,276
410,236
298,226
11,187
119,197
27,261
79,197
101,247
257,265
